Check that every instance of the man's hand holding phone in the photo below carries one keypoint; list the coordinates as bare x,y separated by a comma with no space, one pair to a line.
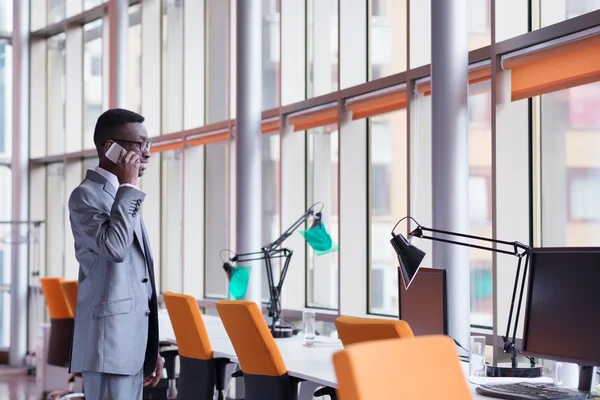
127,164
128,167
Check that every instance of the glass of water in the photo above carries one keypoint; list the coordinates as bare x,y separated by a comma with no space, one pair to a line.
308,321
477,356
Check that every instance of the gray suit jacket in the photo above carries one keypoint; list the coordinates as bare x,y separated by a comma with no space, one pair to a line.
116,327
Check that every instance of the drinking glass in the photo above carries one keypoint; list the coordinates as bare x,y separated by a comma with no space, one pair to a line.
477,356
308,321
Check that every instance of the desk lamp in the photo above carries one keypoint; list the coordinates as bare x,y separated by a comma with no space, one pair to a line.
319,240
410,257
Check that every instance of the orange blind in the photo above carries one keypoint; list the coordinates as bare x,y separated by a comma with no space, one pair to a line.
160,147
381,104
314,119
270,126
475,76
207,139
557,68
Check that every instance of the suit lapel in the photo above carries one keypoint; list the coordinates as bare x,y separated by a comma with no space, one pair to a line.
148,251
139,236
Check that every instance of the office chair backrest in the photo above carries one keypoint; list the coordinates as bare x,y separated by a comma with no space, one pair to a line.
251,338
61,322
188,325
58,308
69,290
400,368
353,330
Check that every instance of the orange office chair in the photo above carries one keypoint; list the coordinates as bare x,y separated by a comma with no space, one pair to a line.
61,300
400,368
200,372
264,371
356,330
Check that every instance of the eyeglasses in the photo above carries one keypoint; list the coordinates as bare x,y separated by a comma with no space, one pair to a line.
144,146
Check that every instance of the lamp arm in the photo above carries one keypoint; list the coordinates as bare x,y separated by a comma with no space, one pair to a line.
299,222
418,232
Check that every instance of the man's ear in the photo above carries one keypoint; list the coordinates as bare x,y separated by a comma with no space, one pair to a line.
107,145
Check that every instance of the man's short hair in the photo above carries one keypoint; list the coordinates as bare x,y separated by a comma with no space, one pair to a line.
111,119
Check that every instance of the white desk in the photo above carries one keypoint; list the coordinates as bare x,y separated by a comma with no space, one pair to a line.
313,364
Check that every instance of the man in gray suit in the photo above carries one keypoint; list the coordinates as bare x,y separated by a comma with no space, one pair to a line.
115,342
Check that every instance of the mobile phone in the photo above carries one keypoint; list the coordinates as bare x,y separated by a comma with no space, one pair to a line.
113,152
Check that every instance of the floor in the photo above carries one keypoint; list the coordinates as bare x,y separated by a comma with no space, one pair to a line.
18,387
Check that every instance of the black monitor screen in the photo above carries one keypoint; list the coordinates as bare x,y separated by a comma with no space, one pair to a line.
423,305
563,307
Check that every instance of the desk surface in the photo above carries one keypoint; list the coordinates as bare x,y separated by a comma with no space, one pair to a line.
314,364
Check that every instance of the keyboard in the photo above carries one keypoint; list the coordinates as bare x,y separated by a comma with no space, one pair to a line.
529,391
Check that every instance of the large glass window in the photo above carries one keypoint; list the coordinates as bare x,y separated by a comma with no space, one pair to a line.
570,166
172,220
322,186
388,37
172,66
322,47
5,254
5,100
6,15
56,11
134,97
554,11
480,201
56,94
92,80
388,199
271,212
216,196
55,220
270,50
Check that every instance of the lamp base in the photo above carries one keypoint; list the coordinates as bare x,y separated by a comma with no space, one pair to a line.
507,371
282,331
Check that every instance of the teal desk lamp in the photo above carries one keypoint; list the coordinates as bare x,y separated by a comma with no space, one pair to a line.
317,238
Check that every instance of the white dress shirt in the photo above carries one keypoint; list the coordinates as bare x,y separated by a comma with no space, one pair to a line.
112,178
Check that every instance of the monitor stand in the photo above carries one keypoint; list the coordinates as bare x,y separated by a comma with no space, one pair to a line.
586,376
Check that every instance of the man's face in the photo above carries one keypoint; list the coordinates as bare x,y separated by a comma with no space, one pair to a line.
133,137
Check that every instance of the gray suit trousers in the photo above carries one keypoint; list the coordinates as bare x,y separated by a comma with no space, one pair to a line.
102,386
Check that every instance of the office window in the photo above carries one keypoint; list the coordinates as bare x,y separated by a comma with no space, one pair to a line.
480,195
5,100
171,221
388,197
271,67
554,11
6,15
134,96
87,4
569,167
387,47
322,46
55,220
92,80
56,93
293,62
216,227
56,11
271,212
172,66
322,186
5,254
512,18
478,22
217,58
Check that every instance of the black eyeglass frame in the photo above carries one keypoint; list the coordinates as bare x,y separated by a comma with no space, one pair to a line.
144,146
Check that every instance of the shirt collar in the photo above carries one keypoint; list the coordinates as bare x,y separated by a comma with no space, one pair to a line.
110,177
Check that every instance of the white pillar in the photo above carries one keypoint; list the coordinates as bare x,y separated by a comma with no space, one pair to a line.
20,159
118,20
450,157
248,141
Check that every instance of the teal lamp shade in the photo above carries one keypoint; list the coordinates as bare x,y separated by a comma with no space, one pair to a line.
318,238
238,283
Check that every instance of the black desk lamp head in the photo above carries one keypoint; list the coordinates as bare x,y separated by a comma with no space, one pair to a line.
409,258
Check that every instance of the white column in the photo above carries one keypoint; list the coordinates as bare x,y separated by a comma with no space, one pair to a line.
118,19
248,140
20,158
450,157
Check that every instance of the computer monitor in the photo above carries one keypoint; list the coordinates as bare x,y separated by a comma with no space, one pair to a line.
561,310
423,305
